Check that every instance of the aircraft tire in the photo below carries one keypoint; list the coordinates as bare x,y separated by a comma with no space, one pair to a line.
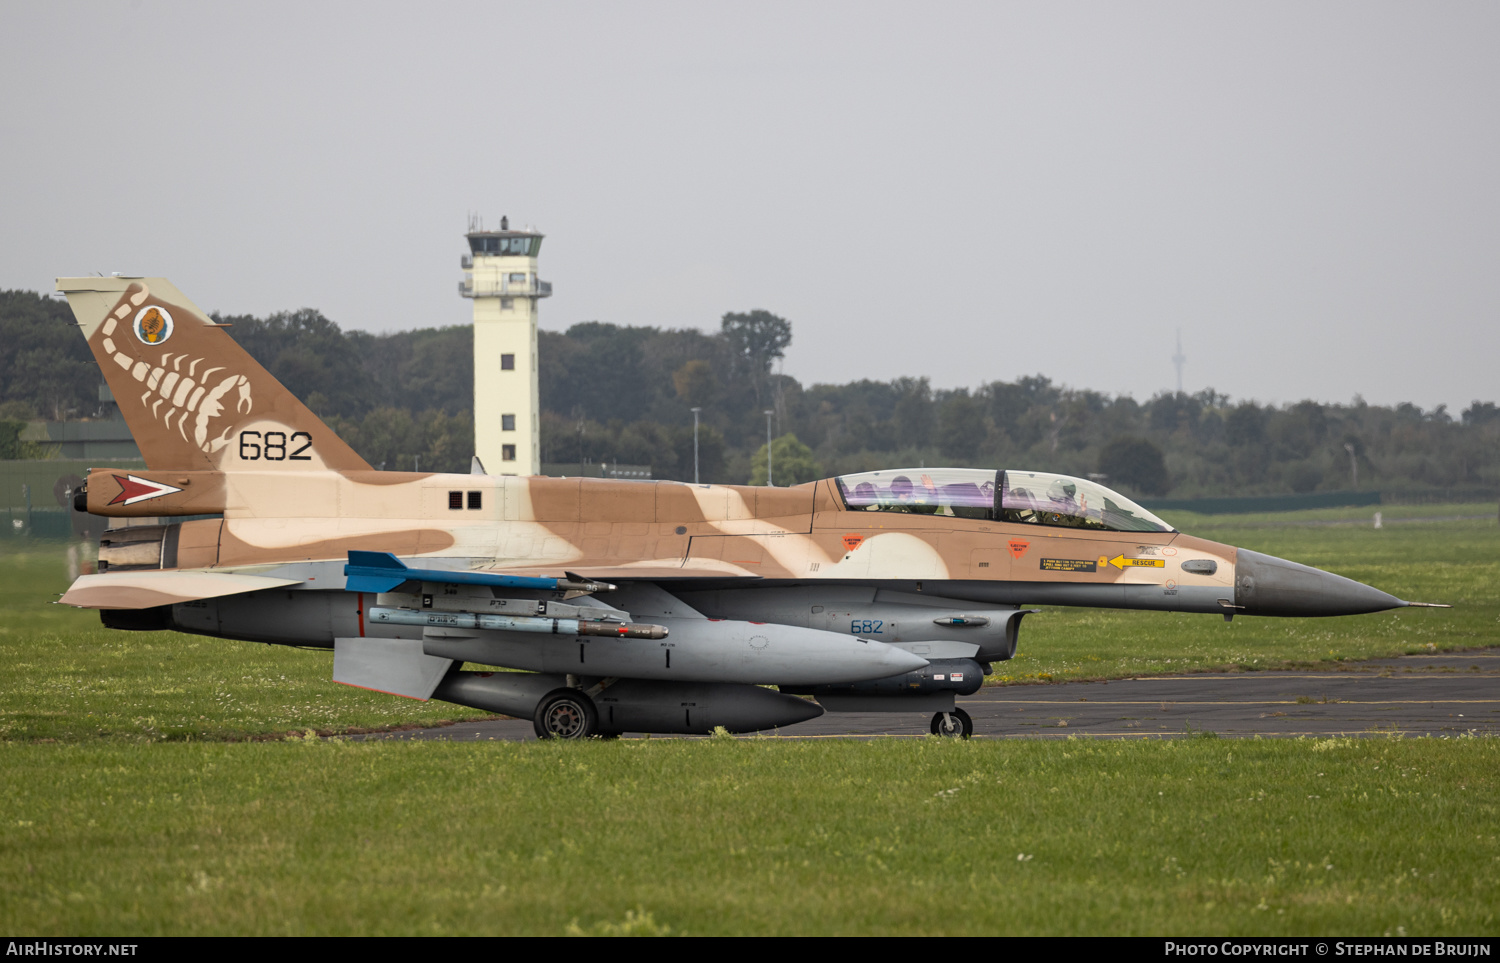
565,714
955,724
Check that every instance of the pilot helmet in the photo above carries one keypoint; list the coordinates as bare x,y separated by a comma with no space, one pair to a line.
1062,490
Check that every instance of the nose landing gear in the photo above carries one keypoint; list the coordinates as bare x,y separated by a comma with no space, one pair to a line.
955,724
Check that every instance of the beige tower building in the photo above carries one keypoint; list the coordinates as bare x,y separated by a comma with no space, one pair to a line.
500,277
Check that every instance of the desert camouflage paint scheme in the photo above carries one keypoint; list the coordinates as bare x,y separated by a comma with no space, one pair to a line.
223,438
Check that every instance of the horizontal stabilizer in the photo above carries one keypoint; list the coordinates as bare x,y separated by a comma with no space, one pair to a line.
382,572
394,666
148,589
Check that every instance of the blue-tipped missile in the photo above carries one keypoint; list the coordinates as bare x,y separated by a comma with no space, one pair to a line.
382,572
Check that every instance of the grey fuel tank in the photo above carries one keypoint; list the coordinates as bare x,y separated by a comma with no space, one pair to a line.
636,705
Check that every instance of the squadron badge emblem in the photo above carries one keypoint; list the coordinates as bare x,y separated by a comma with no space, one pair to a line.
153,325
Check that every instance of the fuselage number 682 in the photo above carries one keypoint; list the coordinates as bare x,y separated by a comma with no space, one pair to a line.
273,445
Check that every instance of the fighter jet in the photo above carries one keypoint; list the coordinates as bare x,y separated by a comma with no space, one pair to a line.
618,606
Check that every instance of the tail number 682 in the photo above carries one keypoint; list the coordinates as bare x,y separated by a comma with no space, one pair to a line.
273,446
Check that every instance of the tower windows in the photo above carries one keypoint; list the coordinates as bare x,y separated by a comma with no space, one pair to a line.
507,304
507,362
507,452
492,244
507,422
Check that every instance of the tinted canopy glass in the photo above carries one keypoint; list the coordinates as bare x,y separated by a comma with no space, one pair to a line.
1035,498
1040,498
957,492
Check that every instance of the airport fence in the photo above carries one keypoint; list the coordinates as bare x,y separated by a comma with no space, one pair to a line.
1250,504
1440,496
1253,504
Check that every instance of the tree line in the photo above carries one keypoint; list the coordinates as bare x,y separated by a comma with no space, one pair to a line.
625,394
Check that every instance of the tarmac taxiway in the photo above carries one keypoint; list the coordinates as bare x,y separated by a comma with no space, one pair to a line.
1441,694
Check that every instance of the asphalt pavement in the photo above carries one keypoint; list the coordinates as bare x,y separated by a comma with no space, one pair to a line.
1442,694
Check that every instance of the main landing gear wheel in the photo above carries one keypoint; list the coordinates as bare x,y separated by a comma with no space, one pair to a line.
956,724
565,714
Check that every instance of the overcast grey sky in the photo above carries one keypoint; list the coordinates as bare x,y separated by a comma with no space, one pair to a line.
963,191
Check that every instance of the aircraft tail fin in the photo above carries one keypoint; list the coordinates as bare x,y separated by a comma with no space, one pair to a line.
193,398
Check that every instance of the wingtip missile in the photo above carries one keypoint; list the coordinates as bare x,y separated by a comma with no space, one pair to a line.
383,572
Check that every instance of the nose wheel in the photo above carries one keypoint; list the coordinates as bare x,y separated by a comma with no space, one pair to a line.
956,724
565,714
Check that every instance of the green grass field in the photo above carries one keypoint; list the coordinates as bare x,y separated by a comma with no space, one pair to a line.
768,836
134,804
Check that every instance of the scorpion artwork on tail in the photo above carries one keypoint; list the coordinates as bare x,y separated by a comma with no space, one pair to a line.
204,402
182,393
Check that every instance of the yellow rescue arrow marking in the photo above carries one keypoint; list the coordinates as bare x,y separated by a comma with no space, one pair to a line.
1121,562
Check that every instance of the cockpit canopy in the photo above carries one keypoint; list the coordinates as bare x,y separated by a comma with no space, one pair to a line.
1035,498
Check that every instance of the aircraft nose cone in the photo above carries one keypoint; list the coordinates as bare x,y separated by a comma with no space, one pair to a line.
1267,585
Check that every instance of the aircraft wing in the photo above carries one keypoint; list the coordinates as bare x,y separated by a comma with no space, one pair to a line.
147,589
650,571
665,570
655,569
383,572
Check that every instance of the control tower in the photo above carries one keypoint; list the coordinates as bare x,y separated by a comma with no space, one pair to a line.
500,276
